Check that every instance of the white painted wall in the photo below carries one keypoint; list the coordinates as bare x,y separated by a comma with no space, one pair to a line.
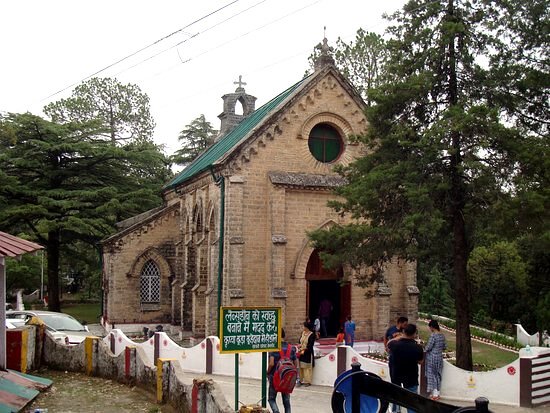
499,386
523,337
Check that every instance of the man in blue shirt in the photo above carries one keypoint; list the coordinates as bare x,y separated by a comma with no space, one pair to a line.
274,358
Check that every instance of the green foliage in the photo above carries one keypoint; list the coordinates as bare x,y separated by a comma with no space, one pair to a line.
543,312
122,111
195,138
24,273
436,297
66,189
498,278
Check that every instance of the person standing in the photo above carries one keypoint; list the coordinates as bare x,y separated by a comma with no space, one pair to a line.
391,333
274,358
325,309
406,354
349,329
340,338
395,330
305,355
317,327
434,359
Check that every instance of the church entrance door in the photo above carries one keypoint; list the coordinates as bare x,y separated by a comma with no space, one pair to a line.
324,284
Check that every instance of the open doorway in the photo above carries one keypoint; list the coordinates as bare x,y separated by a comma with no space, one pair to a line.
325,284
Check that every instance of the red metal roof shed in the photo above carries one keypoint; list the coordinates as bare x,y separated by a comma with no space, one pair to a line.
14,247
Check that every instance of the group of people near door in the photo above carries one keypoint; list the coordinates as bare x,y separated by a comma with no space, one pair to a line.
405,354
400,340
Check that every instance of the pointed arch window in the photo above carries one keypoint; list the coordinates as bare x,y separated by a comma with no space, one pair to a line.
150,283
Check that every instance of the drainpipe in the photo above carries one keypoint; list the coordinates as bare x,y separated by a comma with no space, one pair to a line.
102,287
220,181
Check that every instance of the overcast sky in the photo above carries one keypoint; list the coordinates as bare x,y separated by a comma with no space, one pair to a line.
50,46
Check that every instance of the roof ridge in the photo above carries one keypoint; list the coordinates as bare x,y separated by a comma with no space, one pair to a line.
219,148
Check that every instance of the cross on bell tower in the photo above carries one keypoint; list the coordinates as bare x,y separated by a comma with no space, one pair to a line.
229,118
240,82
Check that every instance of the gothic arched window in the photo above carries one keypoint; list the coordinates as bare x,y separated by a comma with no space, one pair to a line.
150,283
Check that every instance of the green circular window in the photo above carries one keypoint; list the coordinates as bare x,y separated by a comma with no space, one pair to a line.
325,143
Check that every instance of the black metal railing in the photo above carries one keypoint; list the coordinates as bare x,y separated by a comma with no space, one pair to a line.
359,391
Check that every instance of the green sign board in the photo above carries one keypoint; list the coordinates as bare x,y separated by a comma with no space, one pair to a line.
249,329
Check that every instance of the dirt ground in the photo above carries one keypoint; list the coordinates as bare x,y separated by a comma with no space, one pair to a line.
78,393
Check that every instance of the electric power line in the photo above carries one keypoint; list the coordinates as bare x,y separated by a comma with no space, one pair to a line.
144,48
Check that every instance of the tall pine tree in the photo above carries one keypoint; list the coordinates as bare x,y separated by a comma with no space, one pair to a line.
447,138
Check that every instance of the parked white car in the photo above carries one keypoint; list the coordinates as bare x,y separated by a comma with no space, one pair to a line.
62,327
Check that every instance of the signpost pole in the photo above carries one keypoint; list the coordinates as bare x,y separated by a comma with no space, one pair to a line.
264,378
236,382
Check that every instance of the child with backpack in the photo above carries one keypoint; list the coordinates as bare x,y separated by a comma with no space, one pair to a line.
282,373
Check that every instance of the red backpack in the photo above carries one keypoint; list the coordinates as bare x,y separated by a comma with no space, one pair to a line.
286,373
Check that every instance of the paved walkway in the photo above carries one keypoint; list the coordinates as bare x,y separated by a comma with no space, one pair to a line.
317,398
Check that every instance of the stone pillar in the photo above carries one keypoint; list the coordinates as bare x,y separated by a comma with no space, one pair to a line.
233,259
199,290
278,271
382,306
408,271
211,293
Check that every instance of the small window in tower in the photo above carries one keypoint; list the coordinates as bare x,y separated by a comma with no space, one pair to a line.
325,143
239,107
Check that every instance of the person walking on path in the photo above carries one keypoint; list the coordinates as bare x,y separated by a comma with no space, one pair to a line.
274,358
349,329
407,354
305,355
434,359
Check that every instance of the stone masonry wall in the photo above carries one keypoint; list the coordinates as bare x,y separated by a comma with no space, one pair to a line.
123,263
267,224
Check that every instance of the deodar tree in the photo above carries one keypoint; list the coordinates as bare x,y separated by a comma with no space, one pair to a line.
194,139
66,188
122,110
452,131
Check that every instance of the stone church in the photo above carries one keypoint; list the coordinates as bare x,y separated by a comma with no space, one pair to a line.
233,227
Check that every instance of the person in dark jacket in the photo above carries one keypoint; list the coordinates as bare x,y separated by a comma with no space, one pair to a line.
406,354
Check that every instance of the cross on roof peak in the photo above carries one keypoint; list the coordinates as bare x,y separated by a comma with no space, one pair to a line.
240,83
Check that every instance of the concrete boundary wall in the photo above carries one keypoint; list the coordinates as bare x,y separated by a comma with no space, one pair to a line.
457,384
174,372
524,338
134,365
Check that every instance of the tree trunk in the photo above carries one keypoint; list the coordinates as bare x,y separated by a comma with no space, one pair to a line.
53,271
458,200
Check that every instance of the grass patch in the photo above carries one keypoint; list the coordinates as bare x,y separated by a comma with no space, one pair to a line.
485,356
89,312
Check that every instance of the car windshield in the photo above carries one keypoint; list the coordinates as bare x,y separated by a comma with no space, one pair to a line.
61,322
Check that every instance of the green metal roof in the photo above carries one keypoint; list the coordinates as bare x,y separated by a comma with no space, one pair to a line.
227,142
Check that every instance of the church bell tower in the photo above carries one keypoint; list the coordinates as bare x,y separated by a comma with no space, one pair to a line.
229,118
